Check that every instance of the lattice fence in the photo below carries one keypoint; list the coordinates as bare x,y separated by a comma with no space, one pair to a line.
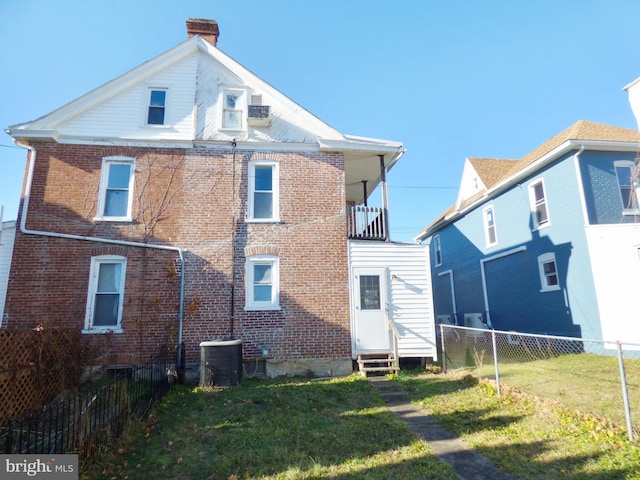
35,366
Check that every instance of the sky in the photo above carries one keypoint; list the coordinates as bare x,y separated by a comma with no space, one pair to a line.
450,79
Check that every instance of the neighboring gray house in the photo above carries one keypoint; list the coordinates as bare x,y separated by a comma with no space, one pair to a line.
549,243
7,236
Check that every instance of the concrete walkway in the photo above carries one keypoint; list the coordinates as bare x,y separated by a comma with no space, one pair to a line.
468,464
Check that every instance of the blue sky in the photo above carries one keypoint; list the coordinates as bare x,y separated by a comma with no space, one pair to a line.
449,78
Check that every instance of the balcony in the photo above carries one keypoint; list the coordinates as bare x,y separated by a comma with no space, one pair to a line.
367,223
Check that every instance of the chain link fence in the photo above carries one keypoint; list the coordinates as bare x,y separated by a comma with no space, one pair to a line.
598,377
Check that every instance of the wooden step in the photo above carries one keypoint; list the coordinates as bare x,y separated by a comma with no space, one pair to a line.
377,363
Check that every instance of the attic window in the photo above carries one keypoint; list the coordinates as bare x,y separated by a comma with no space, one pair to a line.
234,106
157,106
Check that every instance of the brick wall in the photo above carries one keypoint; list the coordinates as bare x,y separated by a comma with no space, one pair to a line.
183,198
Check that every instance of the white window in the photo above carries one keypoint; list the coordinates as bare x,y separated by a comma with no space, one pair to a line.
625,172
105,295
548,272
157,108
490,227
234,107
262,289
538,201
116,189
263,191
437,250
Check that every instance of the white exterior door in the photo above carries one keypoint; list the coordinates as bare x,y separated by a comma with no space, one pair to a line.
372,332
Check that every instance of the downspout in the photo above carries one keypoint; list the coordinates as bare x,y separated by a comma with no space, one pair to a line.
385,197
576,162
26,231
233,236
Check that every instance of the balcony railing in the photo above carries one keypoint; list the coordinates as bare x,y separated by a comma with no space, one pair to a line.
367,223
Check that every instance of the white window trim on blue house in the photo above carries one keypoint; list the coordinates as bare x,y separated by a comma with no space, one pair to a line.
626,209
547,279
539,205
437,250
490,230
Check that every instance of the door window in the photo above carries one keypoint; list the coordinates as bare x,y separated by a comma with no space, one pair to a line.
370,292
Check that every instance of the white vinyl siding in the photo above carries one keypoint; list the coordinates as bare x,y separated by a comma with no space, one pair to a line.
409,297
7,237
124,115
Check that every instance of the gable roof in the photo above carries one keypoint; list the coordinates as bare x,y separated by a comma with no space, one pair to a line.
499,174
203,68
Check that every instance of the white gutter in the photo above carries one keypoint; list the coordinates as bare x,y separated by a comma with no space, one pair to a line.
485,294
583,205
26,231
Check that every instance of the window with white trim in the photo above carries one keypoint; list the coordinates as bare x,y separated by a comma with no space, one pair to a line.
157,108
234,109
115,196
106,293
437,250
625,171
490,227
548,272
263,202
538,201
263,277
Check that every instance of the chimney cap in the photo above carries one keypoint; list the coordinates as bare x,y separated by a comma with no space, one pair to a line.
207,29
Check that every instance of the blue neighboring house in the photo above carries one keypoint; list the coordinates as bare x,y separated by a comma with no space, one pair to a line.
549,243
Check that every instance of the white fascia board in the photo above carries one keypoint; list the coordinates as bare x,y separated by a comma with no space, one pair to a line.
108,90
359,146
628,86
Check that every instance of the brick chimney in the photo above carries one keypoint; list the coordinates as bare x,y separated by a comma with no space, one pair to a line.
207,29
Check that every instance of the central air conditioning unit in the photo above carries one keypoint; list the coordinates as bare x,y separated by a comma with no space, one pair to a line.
259,115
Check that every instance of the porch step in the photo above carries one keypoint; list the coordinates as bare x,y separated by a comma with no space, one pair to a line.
382,362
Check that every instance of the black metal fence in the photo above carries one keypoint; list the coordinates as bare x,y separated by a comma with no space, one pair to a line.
83,421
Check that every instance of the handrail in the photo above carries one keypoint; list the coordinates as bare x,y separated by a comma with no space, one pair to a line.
396,338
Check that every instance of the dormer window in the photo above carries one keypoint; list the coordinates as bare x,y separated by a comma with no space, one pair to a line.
156,111
234,106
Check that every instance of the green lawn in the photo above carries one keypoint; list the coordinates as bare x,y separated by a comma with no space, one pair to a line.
287,429
585,381
341,429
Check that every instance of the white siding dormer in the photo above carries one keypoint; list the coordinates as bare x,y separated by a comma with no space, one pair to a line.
470,184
